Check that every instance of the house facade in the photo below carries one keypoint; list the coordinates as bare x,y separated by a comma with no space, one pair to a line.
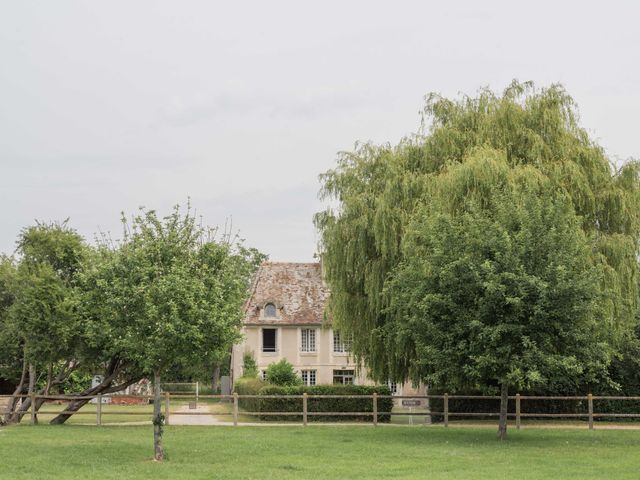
285,318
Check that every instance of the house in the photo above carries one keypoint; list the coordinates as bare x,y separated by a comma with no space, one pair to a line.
285,318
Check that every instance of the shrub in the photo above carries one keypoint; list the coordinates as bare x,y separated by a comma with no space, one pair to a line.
282,374
249,366
294,404
248,386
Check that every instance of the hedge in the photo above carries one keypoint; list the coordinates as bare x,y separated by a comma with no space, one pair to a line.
248,386
325,404
535,406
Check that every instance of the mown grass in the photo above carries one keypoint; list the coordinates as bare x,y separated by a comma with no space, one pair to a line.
316,452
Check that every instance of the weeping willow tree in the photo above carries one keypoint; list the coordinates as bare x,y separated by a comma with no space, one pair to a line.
379,191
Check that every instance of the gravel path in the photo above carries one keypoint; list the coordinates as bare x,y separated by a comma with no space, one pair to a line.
199,419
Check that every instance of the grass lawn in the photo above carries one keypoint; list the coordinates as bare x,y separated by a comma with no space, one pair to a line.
316,452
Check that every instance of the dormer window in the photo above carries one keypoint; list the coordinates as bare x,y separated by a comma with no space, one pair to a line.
270,310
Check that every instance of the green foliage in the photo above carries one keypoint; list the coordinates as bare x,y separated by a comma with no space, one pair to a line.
282,374
10,349
41,317
498,289
169,295
338,404
249,365
523,145
54,244
43,311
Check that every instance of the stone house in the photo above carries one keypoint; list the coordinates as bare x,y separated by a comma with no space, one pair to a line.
285,318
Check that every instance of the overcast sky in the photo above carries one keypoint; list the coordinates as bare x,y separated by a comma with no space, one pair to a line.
108,106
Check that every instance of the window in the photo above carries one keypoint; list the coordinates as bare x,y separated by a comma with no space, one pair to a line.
269,339
393,386
308,377
343,377
308,341
263,375
341,343
270,310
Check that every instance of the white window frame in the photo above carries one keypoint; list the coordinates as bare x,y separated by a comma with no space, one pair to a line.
343,375
341,346
308,340
309,377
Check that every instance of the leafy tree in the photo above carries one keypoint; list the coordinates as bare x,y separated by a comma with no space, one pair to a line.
282,373
380,191
41,318
497,291
169,295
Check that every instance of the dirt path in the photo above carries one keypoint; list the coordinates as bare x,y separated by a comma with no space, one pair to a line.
183,417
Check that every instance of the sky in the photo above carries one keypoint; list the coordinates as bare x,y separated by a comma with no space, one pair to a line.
239,106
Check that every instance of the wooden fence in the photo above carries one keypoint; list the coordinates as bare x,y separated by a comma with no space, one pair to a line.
446,413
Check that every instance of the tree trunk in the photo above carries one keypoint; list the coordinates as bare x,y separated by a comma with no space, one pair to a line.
158,419
32,386
504,400
10,416
51,381
76,405
215,378
114,369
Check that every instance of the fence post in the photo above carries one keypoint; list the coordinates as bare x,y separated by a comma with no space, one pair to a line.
517,411
446,409
375,409
167,412
235,409
304,409
590,401
197,393
99,410
33,409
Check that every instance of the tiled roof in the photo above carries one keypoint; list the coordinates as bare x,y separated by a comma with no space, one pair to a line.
296,289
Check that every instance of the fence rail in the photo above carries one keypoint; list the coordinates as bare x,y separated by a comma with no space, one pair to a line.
305,413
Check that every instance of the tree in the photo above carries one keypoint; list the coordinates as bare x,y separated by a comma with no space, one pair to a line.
169,295
379,191
499,290
41,319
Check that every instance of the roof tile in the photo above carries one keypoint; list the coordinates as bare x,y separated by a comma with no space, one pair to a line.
296,289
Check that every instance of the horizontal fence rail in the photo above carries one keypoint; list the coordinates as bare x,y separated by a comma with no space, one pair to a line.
422,409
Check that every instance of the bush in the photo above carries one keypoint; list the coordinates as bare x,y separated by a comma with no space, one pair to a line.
326,404
282,374
248,386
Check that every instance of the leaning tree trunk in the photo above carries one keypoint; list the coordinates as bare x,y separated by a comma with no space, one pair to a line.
504,400
112,372
75,405
19,413
158,419
13,402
